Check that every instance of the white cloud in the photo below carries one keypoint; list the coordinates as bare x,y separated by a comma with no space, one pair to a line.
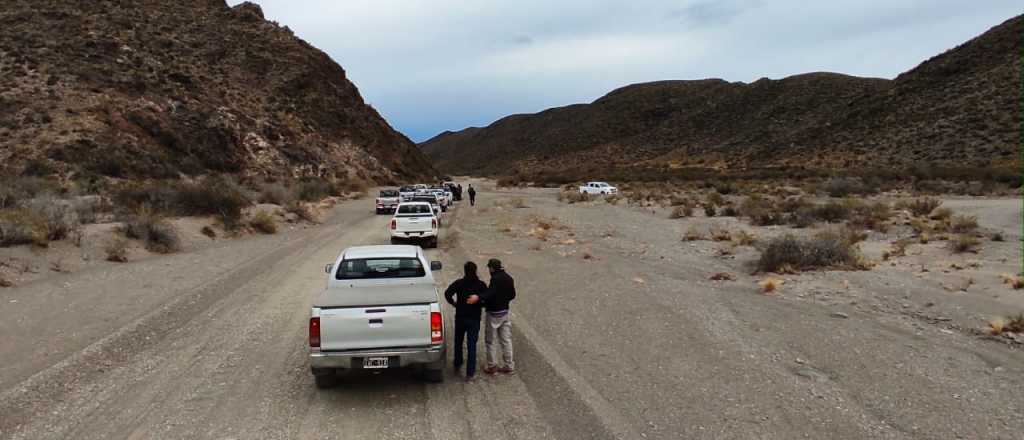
434,65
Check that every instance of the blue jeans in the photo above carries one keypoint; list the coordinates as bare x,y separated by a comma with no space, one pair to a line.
467,330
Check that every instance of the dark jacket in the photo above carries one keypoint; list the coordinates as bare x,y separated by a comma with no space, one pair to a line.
472,192
500,293
457,293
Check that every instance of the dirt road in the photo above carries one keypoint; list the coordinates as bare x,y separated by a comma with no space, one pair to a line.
618,335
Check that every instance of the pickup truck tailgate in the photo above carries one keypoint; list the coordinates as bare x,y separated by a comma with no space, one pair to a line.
355,328
414,224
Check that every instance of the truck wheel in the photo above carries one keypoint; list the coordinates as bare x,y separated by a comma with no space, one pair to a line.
324,381
432,243
395,241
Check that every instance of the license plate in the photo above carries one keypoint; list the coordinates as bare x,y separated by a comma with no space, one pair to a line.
377,362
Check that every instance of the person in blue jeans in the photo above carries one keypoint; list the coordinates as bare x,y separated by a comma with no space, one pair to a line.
464,294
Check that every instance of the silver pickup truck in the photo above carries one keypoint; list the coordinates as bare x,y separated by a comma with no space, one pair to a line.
381,309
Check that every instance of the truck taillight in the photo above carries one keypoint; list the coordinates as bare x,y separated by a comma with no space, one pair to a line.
394,224
314,332
436,328
433,223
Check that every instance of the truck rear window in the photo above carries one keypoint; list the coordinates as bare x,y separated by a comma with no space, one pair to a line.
373,268
414,211
389,193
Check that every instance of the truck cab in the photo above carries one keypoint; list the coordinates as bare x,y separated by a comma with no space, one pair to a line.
380,310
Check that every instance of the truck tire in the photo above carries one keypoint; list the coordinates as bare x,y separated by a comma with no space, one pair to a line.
395,241
432,243
325,381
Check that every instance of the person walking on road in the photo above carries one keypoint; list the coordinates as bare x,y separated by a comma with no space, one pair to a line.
464,294
497,300
472,196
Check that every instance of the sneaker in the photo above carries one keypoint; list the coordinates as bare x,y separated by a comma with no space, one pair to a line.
507,370
491,370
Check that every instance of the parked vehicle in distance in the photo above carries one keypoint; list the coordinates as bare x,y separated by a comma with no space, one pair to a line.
453,188
387,201
415,221
598,188
428,198
381,310
442,198
406,193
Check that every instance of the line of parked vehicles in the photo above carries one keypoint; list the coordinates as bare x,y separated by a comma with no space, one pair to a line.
381,308
417,210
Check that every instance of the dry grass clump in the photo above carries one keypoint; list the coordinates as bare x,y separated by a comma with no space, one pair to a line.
117,250
873,216
744,238
22,226
518,202
693,234
264,223
612,199
761,211
720,234
770,285
1014,324
825,250
723,276
4,282
571,197
710,210
275,193
899,249
963,224
920,207
1014,281
681,212
845,186
303,212
941,214
964,243
209,232
156,232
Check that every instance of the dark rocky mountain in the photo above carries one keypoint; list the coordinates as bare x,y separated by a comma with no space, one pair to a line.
961,108
154,88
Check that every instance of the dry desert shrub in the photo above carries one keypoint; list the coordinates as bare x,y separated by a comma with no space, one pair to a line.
964,243
1013,324
744,238
941,214
518,202
826,250
963,224
770,285
264,223
303,211
117,250
710,210
4,282
612,199
275,193
920,207
693,234
21,226
156,232
571,197
720,234
209,232
681,212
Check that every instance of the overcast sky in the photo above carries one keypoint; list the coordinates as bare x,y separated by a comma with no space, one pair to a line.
435,65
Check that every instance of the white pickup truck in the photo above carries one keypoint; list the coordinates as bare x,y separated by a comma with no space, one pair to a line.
415,221
387,201
598,188
380,310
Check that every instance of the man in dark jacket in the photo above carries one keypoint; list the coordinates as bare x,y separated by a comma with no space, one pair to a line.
497,300
465,294
472,196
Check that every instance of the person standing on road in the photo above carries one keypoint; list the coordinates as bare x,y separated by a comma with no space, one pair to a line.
497,300
472,196
464,294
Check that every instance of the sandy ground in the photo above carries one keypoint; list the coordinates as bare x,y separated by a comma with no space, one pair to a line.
619,334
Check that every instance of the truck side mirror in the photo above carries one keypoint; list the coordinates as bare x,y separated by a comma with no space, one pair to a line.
328,267
435,266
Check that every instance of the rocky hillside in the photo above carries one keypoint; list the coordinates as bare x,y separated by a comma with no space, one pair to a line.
153,88
960,108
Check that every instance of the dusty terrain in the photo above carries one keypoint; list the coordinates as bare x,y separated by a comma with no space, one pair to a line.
619,332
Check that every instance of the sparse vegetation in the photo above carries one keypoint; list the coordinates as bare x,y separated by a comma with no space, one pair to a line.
720,234
825,250
518,202
964,224
964,243
920,207
571,197
770,285
156,232
302,211
693,234
744,238
21,226
209,232
681,212
117,250
275,193
264,222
